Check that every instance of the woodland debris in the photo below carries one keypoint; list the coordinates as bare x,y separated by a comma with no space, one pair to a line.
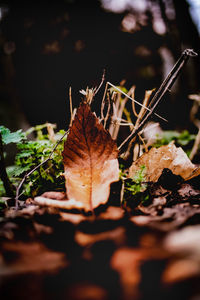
185,240
73,218
170,219
67,204
112,213
127,262
117,235
179,270
168,156
32,257
54,195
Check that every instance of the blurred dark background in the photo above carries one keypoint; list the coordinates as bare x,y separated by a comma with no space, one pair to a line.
47,47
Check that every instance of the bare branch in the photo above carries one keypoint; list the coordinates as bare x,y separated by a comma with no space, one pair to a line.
165,86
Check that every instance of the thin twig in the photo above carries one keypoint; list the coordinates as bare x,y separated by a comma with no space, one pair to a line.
108,111
34,169
70,103
116,102
195,146
142,110
122,192
103,101
102,81
165,86
133,102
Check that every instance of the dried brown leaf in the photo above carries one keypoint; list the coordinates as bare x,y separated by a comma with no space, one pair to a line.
73,218
67,204
117,235
168,156
86,291
90,160
54,195
180,269
33,257
112,213
170,219
127,262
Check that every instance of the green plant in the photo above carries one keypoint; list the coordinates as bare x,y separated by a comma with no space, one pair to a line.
32,153
134,189
137,184
11,137
183,139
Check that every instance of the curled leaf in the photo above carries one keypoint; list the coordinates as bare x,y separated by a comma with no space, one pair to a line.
169,157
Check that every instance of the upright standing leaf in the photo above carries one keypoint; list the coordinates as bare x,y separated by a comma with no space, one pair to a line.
90,160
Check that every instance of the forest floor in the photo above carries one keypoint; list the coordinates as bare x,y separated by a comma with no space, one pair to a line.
149,251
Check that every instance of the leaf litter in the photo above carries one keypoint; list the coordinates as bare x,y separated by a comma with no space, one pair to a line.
56,248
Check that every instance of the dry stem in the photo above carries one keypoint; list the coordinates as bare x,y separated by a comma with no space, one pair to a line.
165,86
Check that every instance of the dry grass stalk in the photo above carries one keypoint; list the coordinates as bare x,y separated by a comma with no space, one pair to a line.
70,104
193,112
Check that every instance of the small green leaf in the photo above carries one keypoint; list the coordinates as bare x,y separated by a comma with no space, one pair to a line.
11,137
15,171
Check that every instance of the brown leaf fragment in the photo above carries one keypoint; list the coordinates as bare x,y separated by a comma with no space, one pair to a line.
186,191
170,219
86,291
54,195
168,156
32,257
117,235
127,262
73,218
68,204
112,213
186,240
90,160
180,269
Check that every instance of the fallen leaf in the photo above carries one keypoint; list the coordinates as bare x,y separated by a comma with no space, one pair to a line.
54,195
186,191
73,218
127,262
67,204
180,269
186,240
112,213
117,235
86,291
90,160
169,157
170,219
31,257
